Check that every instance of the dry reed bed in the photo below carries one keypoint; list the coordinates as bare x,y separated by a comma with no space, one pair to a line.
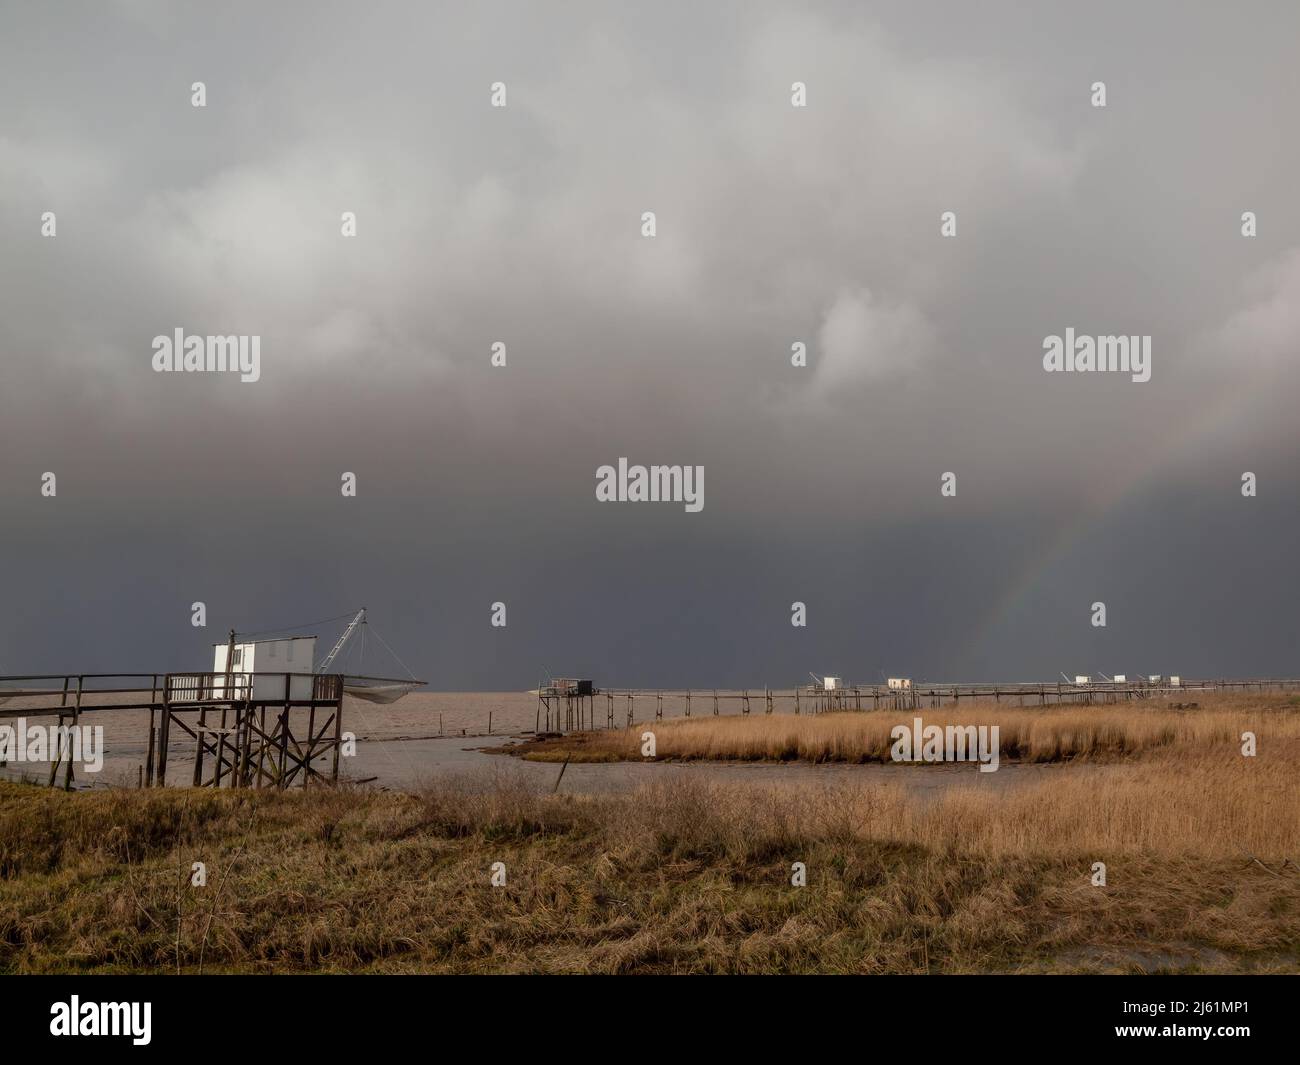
673,877
1095,733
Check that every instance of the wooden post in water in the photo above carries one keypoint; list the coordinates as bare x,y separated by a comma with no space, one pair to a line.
261,746
198,753
149,756
284,734
246,755
338,732
311,742
56,755
221,751
164,731
76,724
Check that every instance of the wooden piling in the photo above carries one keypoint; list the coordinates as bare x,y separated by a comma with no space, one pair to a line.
76,724
149,756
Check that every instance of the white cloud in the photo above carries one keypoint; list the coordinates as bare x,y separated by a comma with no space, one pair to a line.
865,340
1268,329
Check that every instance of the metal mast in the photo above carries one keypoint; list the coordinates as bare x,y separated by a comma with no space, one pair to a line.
360,619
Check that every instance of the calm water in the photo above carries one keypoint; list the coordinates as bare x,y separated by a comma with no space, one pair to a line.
429,735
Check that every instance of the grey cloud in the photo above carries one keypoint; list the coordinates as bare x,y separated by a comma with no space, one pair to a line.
775,225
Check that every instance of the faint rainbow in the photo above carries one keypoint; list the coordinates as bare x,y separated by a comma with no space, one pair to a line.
1184,432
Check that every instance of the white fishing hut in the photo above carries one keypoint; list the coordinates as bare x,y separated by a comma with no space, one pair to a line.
288,654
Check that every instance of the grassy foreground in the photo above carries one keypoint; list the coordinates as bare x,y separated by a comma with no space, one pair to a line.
674,877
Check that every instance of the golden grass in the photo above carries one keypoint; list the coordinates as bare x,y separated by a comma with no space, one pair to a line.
1101,733
673,877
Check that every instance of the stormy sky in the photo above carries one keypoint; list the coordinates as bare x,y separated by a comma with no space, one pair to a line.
775,225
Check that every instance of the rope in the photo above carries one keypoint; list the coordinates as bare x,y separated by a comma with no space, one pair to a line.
349,651
394,654
293,628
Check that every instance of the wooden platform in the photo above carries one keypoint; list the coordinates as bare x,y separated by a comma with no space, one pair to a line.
290,738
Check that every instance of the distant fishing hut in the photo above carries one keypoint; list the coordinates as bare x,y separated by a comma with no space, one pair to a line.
567,703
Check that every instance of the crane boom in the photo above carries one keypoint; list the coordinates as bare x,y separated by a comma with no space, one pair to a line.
352,627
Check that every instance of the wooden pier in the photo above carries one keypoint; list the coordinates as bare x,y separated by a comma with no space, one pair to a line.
563,708
253,730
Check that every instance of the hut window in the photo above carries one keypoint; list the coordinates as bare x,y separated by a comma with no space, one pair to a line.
239,656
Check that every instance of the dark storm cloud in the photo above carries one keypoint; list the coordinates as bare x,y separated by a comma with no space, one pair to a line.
775,225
